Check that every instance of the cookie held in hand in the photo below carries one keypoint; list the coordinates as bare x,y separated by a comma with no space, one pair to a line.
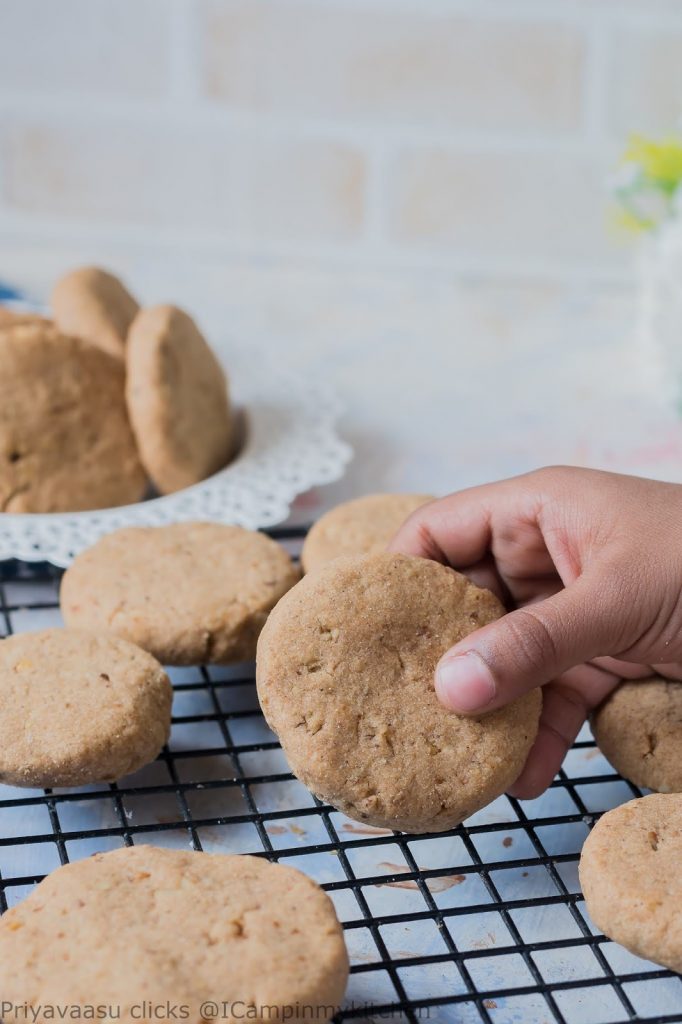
345,670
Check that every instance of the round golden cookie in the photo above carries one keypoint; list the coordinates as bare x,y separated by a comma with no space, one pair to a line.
77,708
188,593
631,877
638,729
359,527
177,399
94,305
345,678
145,925
65,439
10,318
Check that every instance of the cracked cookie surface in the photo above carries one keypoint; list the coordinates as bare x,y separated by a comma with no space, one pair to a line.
65,440
638,729
189,593
359,527
630,876
170,926
78,708
345,678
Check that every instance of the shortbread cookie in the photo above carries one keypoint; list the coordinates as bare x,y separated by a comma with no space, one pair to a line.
92,304
15,318
359,527
65,439
177,399
631,876
77,708
154,927
345,670
189,592
638,729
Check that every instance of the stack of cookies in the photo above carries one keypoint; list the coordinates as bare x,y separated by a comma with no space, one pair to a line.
105,398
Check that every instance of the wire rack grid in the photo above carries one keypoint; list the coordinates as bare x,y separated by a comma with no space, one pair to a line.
485,923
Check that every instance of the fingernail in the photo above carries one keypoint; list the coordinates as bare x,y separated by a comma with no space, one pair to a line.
464,683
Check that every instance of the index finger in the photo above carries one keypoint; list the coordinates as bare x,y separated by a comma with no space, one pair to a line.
455,530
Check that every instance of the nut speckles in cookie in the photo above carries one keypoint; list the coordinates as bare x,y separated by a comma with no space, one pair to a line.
345,678
145,924
78,708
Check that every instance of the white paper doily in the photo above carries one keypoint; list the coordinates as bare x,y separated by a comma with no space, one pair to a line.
291,445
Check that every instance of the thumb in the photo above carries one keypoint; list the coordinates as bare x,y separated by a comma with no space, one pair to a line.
527,648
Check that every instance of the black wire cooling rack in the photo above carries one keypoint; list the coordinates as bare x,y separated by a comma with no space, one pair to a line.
482,923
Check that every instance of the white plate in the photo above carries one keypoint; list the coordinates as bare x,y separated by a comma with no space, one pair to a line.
291,445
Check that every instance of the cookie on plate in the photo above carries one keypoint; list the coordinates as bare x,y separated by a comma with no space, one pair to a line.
345,670
147,925
65,439
631,876
177,399
15,318
638,728
77,708
188,592
92,304
358,527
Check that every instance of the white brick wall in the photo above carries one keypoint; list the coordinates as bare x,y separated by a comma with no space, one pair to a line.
418,66
466,134
644,76
78,48
238,184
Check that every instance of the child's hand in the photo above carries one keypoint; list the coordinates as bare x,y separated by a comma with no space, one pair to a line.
592,564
